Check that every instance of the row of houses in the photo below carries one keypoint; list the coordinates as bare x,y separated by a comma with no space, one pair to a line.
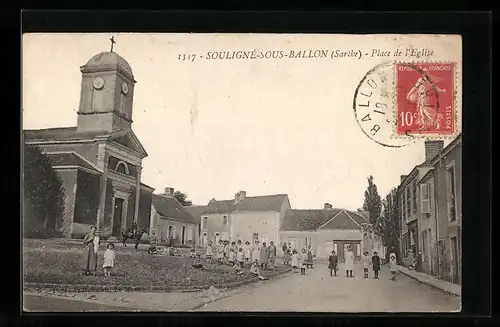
265,218
430,199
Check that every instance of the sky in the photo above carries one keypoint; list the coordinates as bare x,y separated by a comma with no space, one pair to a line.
215,127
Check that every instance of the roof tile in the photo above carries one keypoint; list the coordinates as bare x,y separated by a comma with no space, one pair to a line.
171,208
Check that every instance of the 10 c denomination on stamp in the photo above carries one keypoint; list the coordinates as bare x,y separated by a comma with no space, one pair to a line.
425,99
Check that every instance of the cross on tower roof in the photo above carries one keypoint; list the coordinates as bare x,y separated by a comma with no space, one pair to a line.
112,39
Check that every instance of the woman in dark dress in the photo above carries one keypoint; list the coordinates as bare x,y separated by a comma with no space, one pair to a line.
91,262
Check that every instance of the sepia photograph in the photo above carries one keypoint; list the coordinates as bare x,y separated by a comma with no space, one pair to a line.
173,172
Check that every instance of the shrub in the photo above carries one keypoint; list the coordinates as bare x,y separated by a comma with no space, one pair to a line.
44,195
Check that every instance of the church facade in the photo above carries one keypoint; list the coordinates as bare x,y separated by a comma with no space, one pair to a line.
100,159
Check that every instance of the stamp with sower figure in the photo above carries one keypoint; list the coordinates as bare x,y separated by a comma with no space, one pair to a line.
425,99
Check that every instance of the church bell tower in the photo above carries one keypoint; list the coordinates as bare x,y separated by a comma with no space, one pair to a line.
106,94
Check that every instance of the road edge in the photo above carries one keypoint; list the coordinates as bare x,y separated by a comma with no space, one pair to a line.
429,283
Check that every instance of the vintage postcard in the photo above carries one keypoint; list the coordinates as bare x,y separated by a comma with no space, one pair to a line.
259,172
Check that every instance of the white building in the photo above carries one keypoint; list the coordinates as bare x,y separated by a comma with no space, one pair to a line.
244,218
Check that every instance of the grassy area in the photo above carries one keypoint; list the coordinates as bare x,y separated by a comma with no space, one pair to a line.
62,262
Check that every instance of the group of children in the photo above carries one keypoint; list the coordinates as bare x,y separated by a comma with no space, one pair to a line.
366,261
304,260
228,253
239,254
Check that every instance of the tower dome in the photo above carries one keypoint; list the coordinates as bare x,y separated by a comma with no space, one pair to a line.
108,59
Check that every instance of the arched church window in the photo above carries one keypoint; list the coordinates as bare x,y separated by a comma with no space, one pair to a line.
122,168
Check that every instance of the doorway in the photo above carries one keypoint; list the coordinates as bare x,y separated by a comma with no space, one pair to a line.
183,236
117,217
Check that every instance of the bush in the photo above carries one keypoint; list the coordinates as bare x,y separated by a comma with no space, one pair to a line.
44,195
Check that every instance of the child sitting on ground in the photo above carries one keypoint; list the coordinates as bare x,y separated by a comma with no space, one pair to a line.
237,268
255,270
197,262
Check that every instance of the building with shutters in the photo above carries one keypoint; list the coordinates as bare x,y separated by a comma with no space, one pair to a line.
244,218
330,229
440,221
410,204
100,159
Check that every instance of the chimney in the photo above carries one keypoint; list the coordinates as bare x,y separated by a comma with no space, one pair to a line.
403,178
328,206
169,192
432,148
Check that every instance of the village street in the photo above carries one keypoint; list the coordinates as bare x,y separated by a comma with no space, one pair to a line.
316,291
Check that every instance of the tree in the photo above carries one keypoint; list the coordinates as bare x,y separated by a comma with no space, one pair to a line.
44,195
389,222
182,198
372,202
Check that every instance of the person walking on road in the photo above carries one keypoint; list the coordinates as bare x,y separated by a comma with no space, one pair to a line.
349,262
332,264
375,264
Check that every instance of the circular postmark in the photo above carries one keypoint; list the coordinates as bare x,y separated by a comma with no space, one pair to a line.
374,106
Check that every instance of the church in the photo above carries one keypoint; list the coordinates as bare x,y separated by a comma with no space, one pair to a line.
100,159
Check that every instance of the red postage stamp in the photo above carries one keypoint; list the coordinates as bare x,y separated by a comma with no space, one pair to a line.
425,98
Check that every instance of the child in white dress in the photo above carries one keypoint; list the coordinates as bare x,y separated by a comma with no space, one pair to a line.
109,259
295,260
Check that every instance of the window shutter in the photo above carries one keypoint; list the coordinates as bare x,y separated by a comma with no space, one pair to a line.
449,194
424,198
